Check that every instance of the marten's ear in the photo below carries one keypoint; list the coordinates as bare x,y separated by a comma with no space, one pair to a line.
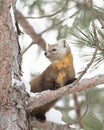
47,46
63,43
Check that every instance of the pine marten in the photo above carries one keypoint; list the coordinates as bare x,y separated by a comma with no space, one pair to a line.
59,73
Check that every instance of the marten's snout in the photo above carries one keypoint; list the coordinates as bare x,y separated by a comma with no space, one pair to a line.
45,53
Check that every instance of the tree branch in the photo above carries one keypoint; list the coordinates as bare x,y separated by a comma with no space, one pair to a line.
41,98
77,110
48,125
30,31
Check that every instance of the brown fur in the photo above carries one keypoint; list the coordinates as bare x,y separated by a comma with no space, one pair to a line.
55,76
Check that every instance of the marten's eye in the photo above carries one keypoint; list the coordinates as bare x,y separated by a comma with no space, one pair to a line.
54,49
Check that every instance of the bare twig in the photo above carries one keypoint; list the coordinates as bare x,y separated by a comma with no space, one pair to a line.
78,120
87,105
52,26
88,66
96,39
75,13
101,21
77,109
57,23
27,48
50,15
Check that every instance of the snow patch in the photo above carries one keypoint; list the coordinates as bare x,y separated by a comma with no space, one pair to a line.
26,84
28,89
72,114
16,82
54,116
13,16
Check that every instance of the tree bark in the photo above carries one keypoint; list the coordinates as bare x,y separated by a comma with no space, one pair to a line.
12,117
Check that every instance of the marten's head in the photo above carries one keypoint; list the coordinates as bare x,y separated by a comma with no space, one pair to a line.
58,51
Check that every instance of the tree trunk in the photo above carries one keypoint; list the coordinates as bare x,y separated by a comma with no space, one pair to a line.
12,114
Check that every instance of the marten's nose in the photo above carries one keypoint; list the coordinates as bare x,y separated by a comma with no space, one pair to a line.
45,53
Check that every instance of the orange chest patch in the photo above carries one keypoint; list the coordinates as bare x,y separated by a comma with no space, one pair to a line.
67,61
60,78
63,68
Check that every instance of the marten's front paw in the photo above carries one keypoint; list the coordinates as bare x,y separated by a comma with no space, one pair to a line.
55,87
70,81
